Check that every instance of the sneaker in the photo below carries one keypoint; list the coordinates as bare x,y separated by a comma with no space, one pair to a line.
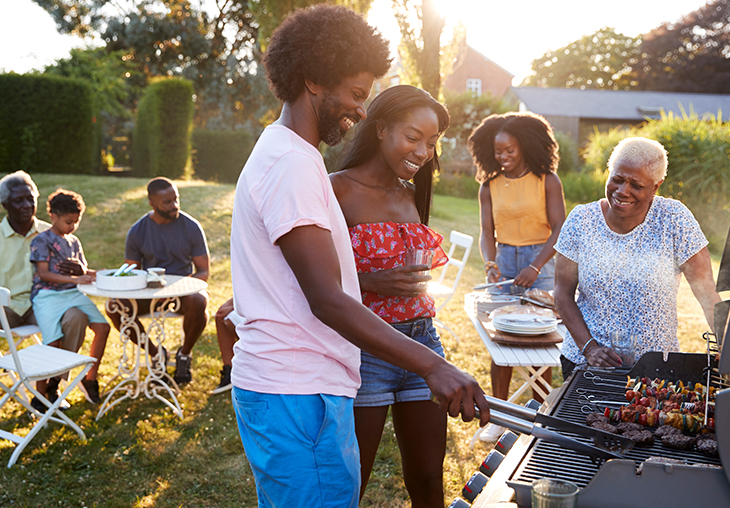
39,406
182,368
491,433
91,390
225,383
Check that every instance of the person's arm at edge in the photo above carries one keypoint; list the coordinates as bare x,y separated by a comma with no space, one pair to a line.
202,267
566,282
48,276
311,254
487,242
698,272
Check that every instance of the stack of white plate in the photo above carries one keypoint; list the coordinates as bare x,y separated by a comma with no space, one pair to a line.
486,302
524,324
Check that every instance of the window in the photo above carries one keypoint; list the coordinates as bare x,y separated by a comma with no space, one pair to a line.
474,85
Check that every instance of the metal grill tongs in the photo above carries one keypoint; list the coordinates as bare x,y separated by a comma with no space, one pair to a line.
521,419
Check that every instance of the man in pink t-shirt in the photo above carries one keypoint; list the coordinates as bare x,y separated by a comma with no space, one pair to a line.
295,370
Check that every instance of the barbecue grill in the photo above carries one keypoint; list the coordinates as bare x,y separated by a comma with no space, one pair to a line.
702,480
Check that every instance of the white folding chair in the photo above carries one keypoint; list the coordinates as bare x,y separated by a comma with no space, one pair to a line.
31,364
438,289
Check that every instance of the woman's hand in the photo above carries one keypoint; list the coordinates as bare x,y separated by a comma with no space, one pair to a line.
601,356
493,276
400,281
526,278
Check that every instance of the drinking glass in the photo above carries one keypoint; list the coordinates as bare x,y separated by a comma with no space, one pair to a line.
419,257
549,493
624,344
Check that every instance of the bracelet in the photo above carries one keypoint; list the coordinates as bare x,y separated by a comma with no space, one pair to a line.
536,269
582,351
491,264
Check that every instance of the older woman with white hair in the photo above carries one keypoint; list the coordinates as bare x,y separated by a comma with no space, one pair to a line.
625,254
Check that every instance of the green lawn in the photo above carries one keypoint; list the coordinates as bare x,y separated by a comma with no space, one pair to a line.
141,455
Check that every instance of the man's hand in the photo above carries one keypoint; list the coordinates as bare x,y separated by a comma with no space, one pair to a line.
457,392
71,267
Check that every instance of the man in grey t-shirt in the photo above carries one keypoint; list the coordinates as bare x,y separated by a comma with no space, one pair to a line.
171,239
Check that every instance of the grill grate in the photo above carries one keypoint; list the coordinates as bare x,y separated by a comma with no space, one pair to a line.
552,461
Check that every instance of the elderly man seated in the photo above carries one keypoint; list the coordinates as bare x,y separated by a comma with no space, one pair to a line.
19,197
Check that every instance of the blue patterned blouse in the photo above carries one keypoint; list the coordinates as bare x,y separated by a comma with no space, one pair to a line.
629,282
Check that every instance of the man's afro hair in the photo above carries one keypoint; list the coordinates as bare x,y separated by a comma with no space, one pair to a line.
324,44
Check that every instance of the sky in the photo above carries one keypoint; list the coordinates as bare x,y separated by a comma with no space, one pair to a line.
511,34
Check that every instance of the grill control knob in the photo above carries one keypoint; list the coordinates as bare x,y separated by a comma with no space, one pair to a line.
533,404
474,486
491,463
459,503
506,442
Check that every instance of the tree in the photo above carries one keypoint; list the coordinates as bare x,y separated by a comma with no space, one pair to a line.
420,46
599,60
269,14
692,55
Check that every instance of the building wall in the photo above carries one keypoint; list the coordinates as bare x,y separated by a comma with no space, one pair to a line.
494,79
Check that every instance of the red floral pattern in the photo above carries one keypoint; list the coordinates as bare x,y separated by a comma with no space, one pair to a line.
383,245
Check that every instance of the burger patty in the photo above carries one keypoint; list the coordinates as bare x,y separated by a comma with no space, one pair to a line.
707,446
678,441
595,417
627,426
666,430
605,427
641,437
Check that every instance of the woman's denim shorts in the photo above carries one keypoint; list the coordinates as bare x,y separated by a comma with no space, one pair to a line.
383,383
511,260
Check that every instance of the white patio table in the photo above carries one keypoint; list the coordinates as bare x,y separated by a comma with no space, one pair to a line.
529,362
158,383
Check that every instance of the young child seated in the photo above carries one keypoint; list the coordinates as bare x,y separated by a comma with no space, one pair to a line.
53,293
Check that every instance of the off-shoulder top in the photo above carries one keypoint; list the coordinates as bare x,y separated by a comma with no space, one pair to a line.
382,245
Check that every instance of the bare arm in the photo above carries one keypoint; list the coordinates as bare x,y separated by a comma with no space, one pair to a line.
566,282
202,267
311,254
555,205
698,271
45,274
487,242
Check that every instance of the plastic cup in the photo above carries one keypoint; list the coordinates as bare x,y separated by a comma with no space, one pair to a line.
624,344
419,257
549,493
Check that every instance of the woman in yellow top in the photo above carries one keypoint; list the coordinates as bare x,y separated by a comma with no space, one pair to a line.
522,209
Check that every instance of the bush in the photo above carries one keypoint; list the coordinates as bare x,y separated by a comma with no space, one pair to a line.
220,155
699,165
568,151
457,185
47,125
161,141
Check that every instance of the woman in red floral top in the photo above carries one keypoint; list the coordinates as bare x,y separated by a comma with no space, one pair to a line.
386,215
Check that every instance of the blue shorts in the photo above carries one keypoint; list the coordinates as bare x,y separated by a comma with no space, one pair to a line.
302,448
512,260
383,383
49,306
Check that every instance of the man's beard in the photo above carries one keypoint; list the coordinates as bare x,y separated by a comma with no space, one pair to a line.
168,215
330,130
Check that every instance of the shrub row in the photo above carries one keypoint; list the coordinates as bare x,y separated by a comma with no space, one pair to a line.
220,155
47,125
161,140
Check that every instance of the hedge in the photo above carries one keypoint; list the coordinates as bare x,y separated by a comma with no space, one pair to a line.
47,125
220,155
161,139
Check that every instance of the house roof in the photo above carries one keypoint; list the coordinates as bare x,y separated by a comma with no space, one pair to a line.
491,61
619,105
